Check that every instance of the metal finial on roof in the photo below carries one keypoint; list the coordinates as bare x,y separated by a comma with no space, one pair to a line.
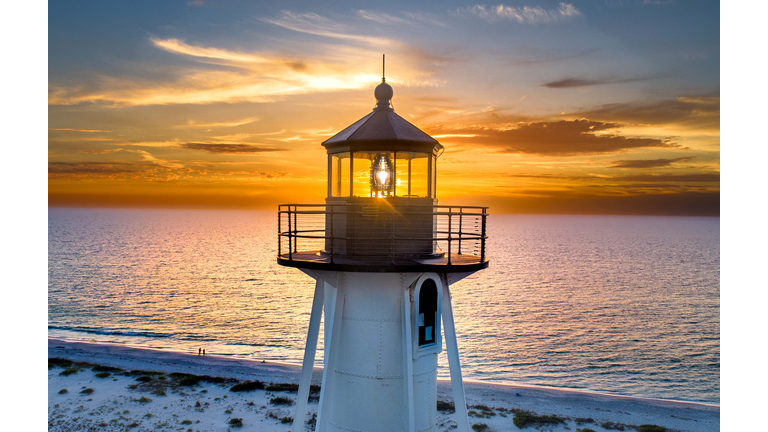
383,124
383,91
383,63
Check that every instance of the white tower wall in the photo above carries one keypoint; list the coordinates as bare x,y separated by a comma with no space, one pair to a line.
365,382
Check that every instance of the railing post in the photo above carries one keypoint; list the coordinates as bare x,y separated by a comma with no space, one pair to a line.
461,225
279,233
391,214
295,228
450,232
482,237
290,232
331,234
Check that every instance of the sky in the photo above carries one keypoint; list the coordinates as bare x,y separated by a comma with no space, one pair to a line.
593,107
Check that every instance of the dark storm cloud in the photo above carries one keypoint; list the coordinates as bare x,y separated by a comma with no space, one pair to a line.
579,82
648,163
228,148
555,138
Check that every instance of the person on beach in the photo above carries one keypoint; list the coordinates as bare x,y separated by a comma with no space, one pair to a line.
199,350
203,351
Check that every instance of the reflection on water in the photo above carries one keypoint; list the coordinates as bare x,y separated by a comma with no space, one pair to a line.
628,305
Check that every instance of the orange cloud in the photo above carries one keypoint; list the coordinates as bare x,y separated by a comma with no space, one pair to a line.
77,130
553,138
228,148
194,125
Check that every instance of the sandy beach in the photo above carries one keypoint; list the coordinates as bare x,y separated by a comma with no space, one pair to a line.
132,400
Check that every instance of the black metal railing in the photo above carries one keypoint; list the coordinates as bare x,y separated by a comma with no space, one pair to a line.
380,231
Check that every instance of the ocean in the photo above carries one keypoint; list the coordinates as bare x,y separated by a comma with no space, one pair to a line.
617,304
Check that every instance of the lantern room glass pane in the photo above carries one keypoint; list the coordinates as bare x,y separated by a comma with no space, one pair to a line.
419,177
401,174
433,192
339,174
412,174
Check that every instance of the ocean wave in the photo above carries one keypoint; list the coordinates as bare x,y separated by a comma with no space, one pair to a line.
110,332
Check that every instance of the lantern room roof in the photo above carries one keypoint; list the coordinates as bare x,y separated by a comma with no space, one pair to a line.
383,124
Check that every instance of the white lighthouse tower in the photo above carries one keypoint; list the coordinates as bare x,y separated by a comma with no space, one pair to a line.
383,253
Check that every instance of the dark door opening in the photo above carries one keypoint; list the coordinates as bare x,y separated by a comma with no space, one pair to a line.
427,312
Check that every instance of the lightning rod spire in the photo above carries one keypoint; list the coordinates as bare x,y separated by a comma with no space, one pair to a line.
383,64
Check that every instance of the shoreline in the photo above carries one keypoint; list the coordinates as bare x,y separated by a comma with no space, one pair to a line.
466,381
570,403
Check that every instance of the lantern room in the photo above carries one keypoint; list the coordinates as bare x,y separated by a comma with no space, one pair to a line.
382,155
381,211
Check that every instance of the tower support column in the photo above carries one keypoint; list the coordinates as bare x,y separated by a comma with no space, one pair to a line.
452,348
331,355
410,421
309,356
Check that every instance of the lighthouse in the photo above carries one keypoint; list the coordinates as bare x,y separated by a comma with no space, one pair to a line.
383,254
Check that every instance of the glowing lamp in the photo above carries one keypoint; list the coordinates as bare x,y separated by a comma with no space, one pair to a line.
381,176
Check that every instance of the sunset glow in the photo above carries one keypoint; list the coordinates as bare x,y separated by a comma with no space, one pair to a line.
543,107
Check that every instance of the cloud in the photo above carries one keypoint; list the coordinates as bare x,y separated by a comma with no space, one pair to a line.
551,177
424,17
77,130
659,2
647,163
453,135
228,148
684,203
382,18
94,168
293,138
100,152
147,144
146,156
318,25
694,111
414,18
195,3
257,77
238,138
192,125
267,175
642,179
329,131
637,2
81,139
523,15
578,82
427,59
554,138
548,59
653,178
231,57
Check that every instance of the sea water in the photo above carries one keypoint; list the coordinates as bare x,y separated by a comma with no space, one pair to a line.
619,304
